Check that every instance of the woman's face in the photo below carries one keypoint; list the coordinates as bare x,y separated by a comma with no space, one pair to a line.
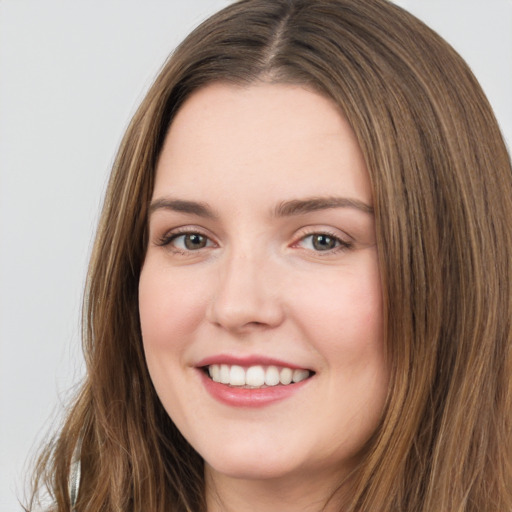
262,269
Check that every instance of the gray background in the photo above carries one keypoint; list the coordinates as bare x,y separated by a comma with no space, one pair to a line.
71,75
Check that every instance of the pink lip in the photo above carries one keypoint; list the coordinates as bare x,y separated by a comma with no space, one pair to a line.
245,361
242,397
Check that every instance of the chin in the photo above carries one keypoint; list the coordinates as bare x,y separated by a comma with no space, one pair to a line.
253,464
245,471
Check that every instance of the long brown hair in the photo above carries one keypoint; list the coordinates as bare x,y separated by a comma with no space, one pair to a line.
442,185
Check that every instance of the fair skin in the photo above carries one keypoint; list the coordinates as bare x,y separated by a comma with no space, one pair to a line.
262,256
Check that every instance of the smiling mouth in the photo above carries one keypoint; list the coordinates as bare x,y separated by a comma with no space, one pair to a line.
255,377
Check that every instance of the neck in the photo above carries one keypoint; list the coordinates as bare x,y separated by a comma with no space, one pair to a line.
314,493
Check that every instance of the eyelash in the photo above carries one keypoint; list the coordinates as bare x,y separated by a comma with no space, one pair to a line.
168,238
342,245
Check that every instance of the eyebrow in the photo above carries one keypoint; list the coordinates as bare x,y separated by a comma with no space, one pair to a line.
284,209
183,206
302,206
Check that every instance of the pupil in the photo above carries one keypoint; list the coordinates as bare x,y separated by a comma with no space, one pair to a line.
323,242
195,241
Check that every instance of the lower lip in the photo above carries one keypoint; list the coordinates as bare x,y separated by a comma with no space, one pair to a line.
243,397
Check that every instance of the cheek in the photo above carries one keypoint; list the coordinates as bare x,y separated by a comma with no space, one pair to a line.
170,307
344,311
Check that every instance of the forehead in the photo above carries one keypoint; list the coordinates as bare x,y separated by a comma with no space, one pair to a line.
263,138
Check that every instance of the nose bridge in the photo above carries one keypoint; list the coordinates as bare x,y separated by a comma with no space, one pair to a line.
246,293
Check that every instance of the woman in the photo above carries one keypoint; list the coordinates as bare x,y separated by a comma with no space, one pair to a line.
300,292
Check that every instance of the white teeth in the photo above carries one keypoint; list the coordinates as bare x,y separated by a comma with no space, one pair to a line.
272,376
224,373
286,376
299,375
214,372
255,376
237,376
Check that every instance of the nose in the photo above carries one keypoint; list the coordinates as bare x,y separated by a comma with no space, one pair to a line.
246,296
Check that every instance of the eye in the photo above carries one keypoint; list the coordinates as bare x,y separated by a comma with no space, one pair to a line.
190,241
322,242
187,241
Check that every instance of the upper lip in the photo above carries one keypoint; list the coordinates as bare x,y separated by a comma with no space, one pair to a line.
246,361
